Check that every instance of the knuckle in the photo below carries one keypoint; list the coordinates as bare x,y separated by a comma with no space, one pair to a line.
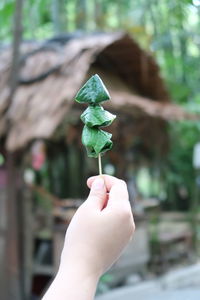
96,194
94,198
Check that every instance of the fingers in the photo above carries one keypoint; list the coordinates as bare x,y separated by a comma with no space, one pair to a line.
119,205
115,203
117,188
119,195
98,195
109,181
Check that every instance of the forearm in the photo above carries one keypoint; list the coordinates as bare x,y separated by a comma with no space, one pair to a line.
72,286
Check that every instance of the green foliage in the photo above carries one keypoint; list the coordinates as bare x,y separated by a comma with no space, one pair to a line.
171,33
6,16
179,173
2,159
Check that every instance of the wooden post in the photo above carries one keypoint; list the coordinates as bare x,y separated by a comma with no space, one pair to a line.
13,269
2,231
28,238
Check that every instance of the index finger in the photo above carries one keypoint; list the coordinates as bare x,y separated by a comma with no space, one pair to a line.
110,181
118,196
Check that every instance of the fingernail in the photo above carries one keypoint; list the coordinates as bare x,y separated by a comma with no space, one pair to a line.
98,183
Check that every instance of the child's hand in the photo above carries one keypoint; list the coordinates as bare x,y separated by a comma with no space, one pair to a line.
96,236
100,229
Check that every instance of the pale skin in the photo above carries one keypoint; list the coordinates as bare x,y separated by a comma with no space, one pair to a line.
99,231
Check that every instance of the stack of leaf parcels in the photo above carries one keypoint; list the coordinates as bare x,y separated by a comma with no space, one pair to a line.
94,117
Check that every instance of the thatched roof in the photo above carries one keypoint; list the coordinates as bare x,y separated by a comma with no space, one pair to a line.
51,74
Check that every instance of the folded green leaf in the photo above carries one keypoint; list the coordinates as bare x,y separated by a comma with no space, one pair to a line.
96,116
96,141
93,91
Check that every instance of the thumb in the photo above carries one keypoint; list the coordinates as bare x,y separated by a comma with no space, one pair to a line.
97,194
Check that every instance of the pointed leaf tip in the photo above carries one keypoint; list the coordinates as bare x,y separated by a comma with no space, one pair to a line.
93,91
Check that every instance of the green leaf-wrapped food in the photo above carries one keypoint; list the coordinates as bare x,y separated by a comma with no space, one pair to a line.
93,91
94,117
96,141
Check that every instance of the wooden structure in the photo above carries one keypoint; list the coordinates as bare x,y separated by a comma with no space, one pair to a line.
52,72
43,107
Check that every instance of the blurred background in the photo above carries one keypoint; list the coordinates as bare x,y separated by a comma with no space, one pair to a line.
147,53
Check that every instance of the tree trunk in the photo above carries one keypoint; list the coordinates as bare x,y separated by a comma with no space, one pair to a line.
13,288
99,14
17,37
183,46
59,16
81,16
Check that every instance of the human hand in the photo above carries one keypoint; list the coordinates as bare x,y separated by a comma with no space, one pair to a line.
100,229
95,238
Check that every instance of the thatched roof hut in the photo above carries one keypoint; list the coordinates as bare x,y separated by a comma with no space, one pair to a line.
52,72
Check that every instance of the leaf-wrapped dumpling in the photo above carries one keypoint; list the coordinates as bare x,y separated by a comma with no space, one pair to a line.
97,116
93,91
96,141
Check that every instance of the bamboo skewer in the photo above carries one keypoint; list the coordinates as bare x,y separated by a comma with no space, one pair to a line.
100,164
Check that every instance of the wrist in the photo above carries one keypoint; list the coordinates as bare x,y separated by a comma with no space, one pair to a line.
85,266
79,270
74,283
73,276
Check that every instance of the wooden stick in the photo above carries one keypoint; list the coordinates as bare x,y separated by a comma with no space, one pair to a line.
100,165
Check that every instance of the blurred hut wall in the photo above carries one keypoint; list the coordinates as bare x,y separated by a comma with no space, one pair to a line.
43,107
